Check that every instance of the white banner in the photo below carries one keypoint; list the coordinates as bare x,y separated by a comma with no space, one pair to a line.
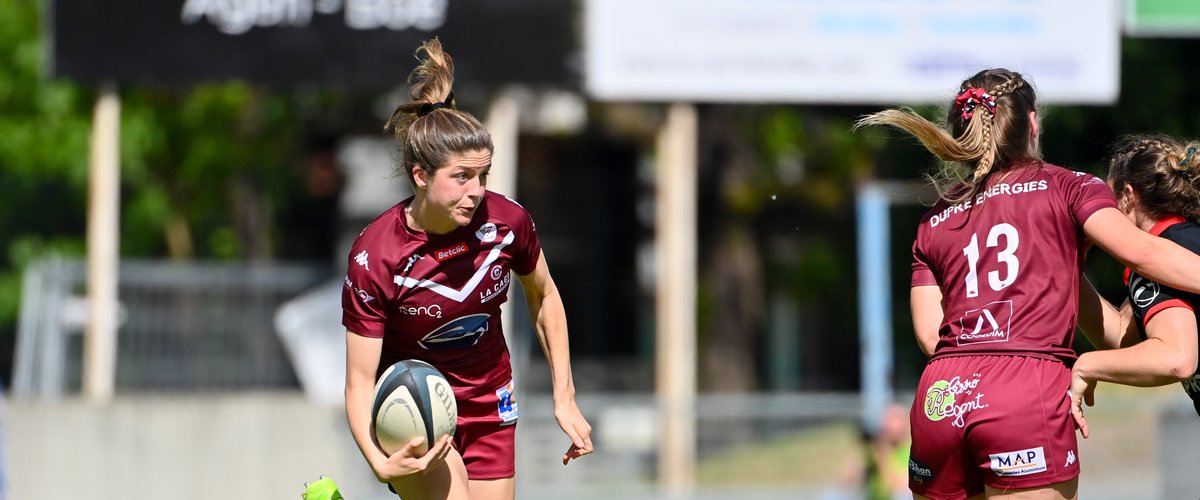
846,51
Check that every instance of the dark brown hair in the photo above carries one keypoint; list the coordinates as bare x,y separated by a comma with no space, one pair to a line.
985,143
429,129
1164,172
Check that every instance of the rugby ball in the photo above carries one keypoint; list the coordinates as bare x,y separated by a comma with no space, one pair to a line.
412,398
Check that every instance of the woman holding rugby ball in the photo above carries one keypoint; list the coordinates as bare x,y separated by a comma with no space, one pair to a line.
425,281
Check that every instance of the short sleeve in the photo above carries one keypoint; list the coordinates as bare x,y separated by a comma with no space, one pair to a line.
1086,194
528,247
365,289
922,275
1150,298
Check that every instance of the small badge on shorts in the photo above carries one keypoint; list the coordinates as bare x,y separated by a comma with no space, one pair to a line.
919,472
507,405
1019,463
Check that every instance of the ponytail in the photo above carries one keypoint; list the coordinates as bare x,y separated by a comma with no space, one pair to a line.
988,125
430,128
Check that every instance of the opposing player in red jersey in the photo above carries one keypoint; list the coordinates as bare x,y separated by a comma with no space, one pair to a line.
425,280
1153,340
995,286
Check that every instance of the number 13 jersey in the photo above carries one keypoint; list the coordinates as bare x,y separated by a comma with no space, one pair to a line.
1008,261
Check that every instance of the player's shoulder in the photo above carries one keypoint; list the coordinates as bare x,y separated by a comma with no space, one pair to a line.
386,230
1064,176
503,208
1186,234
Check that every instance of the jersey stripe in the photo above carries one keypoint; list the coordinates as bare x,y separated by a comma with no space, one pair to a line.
459,295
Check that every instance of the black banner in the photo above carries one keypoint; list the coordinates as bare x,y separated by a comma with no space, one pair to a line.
364,44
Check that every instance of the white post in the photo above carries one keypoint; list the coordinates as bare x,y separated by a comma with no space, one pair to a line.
675,228
504,124
875,302
103,229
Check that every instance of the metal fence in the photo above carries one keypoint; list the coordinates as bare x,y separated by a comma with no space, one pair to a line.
194,326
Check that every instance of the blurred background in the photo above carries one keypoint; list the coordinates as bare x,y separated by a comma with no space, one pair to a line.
181,181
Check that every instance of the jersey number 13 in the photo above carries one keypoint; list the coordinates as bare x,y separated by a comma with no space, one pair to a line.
1007,258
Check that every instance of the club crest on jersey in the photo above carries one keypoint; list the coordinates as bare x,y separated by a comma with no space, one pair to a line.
462,332
486,233
450,253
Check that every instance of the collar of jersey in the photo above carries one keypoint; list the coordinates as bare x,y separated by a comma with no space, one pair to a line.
1162,225
1158,228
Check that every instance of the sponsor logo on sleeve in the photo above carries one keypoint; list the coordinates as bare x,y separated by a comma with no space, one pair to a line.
362,294
1019,463
1143,291
361,259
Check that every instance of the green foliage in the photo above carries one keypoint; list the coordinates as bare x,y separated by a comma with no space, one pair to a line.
204,169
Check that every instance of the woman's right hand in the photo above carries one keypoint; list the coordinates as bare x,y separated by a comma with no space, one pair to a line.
407,461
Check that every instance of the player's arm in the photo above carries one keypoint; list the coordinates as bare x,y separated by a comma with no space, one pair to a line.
927,315
1168,355
550,321
1156,258
362,359
1131,335
1101,322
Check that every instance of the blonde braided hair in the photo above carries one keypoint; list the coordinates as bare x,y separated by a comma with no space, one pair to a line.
975,145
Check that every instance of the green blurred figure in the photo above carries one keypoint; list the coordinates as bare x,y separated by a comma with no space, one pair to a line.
886,467
321,489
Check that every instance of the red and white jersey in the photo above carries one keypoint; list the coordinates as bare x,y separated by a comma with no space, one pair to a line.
1008,261
436,297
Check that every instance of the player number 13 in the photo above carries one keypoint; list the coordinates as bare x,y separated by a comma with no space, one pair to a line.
1007,257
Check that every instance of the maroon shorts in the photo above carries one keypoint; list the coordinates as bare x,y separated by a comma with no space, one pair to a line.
487,432
1003,421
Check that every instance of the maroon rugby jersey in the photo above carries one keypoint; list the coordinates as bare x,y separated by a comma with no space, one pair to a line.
436,297
1008,261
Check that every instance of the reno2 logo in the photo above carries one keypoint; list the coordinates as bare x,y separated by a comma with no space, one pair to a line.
486,233
462,332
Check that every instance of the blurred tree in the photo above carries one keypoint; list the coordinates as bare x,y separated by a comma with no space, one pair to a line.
43,159
777,200
206,171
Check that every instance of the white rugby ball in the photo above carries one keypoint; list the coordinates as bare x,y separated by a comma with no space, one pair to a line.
412,398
